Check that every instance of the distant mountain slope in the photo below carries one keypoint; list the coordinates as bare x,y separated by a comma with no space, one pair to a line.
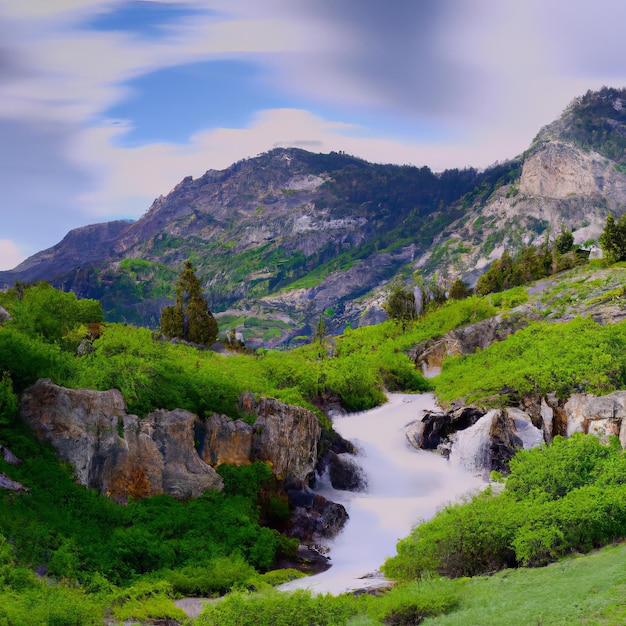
285,237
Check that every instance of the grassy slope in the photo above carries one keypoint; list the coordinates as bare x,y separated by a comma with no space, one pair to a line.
585,590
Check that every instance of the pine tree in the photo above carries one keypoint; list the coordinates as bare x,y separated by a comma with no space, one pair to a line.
613,239
190,318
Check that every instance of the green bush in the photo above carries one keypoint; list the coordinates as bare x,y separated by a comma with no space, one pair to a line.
564,498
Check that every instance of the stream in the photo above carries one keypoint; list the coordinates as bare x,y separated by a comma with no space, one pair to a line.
405,486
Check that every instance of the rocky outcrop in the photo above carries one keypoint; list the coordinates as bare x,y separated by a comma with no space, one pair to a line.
561,170
167,451
314,517
5,481
487,445
114,452
480,441
601,416
11,485
345,473
284,435
223,440
436,428
4,315
466,340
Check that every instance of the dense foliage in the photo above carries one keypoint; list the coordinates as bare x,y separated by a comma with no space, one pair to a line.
596,121
580,355
189,319
613,239
563,498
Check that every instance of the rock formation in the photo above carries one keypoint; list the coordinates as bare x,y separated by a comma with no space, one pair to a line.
5,481
285,436
480,441
124,456
114,452
601,416
466,340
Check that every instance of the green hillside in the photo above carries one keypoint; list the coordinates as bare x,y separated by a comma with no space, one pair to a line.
131,561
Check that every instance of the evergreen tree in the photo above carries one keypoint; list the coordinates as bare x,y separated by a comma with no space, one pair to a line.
190,318
459,290
400,304
564,242
613,239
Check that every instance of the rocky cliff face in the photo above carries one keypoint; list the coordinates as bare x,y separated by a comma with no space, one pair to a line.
285,436
114,452
124,456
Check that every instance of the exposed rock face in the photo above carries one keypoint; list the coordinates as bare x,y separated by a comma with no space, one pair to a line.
4,315
601,416
223,440
468,339
114,452
286,436
560,170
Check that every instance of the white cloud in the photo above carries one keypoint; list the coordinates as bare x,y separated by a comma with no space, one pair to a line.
10,254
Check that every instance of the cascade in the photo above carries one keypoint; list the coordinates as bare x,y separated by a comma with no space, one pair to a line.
470,447
404,486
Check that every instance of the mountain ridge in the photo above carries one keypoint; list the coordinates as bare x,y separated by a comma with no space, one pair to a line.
286,237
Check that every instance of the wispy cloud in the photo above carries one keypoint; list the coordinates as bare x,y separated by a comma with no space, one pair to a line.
439,82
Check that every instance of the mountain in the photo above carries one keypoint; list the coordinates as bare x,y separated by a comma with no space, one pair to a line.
283,238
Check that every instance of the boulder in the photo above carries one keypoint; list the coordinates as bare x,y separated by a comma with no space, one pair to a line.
345,473
601,416
9,457
284,435
314,517
4,315
11,485
116,453
437,427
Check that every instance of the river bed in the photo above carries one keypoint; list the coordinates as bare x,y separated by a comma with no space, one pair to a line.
405,486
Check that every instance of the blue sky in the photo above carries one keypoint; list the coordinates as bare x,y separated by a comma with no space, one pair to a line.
107,104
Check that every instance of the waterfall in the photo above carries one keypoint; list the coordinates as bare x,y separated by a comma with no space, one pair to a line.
470,447
404,486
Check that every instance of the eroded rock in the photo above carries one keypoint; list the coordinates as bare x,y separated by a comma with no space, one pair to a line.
114,452
284,435
601,416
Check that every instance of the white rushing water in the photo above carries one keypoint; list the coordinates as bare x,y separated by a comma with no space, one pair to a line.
405,485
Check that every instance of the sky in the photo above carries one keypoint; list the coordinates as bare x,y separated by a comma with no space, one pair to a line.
107,104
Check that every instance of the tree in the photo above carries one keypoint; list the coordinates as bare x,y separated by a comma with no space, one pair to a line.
564,242
459,290
400,304
190,318
613,239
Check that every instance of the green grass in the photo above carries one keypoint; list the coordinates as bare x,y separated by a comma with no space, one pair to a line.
587,590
